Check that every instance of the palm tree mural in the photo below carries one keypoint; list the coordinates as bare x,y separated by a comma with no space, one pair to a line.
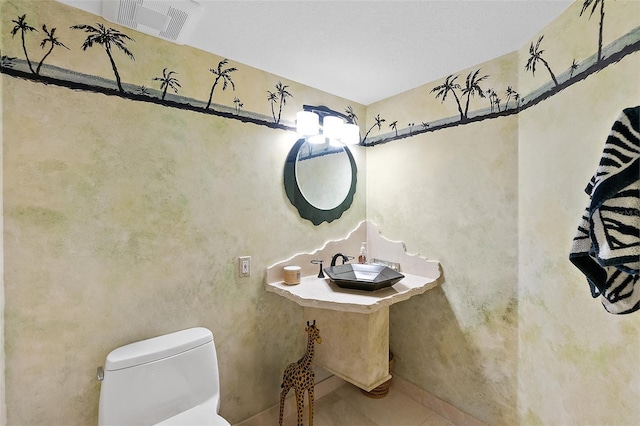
449,86
491,94
106,37
224,75
496,101
378,123
167,81
273,99
573,67
394,126
472,87
23,27
351,115
283,94
278,97
510,92
49,39
595,3
238,104
536,56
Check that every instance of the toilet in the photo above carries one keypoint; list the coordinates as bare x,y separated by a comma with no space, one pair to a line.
167,380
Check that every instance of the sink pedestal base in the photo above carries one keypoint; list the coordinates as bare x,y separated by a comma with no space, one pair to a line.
355,346
354,325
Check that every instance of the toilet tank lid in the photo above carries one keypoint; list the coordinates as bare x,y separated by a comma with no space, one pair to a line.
157,348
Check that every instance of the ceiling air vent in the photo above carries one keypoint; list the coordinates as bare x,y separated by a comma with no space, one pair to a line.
170,20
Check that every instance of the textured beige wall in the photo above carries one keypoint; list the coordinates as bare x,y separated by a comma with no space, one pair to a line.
124,220
452,195
3,407
512,336
578,363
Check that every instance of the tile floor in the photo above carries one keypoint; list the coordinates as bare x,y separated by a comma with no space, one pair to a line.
347,406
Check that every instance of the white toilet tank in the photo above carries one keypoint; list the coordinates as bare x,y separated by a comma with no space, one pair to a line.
169,380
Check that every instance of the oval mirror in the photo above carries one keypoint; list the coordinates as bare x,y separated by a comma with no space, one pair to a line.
320,180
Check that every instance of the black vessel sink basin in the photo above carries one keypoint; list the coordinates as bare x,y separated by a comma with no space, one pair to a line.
363,277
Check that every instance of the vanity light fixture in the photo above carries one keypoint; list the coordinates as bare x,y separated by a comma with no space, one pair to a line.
319,123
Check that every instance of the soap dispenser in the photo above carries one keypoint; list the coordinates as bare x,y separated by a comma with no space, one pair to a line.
363,254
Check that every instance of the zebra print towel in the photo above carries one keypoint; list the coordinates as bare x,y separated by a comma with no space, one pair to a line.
606,247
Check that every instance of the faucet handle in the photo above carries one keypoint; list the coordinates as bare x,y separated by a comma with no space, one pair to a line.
319,262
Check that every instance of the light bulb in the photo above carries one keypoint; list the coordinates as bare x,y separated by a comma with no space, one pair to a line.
332,127
350,134
307,123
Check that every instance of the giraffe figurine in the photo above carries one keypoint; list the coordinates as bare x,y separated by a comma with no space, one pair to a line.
300,376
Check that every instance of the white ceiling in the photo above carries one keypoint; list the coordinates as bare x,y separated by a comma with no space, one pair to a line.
364,51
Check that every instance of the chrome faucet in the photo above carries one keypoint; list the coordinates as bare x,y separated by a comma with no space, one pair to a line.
336,256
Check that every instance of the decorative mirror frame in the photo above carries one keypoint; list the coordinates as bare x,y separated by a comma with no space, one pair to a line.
294,193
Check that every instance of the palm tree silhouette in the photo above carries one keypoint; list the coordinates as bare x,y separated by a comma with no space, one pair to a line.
272,98
166,82
351,115
49,39
573,67
510,92
22,26
536,55
378,123
595,4
443,90
496,101
282,95
394,126
106,37
472,87
238,104
221,74
491,94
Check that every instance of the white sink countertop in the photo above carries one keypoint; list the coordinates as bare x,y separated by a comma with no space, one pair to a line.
313,292
419,273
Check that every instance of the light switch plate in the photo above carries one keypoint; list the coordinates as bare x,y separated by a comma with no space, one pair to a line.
244,266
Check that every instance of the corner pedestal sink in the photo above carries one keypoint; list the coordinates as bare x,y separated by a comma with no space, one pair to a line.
363,277
354,324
